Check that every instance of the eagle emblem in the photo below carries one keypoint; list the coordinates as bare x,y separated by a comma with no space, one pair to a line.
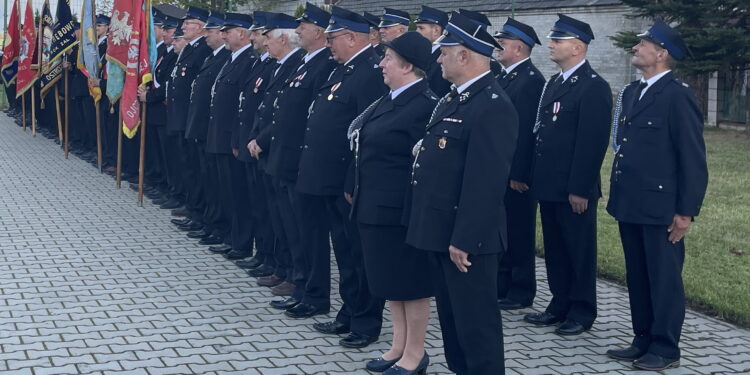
121,27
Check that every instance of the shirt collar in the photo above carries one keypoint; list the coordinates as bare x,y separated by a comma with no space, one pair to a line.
239,51
435,47
170,48
468,83
510,68
283,60
572,70
264,56
192,42
101,39
650,82
357,54
312,54
403,88
216,51
159,44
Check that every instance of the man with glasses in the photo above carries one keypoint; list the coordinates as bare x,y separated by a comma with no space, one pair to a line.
349,90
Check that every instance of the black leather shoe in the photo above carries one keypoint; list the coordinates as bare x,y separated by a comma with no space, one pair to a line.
631,353
509,304
304,310
570,328
653,362
380,364
234,255
211,240
182,221
285,304
249,264
357,340
199,234
261,271
542,319
161,200
220,249
331,328
190,227
181,211
170,205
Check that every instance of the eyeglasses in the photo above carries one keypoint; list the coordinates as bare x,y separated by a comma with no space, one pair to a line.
330,39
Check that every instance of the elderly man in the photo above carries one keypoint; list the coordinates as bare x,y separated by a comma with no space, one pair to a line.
523,82
352,86
393,23
658,182
572,128
458,180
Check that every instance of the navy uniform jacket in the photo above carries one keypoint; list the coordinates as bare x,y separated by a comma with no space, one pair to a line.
161,50
183,74
291,114
439,85
570,145
102,47
156,97
524,87
383,160
660,169
225,99
252,94
264,125
325,154
78,83
461,172
200,95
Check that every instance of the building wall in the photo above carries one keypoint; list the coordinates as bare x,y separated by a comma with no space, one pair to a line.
609,61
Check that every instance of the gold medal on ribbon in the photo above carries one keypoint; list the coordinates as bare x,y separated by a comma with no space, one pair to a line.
442,142
333,89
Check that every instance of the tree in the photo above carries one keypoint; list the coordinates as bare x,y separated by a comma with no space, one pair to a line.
717,31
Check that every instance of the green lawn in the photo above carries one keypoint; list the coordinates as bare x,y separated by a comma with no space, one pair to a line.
716,281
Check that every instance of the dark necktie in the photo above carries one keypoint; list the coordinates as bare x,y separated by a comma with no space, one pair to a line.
642,86
502,74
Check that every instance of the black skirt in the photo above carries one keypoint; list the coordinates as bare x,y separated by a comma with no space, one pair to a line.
395,270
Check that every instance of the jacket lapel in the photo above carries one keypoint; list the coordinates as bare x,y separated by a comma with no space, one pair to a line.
649,96
563,89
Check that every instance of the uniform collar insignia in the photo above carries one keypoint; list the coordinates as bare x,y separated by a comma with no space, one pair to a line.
573,79
464,95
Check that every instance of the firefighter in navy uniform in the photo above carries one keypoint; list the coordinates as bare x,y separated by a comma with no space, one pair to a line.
572,129
430,24
352,86
374,21
523,83
658,182
225,95
458,182
196,130
183,74
393,23
290,120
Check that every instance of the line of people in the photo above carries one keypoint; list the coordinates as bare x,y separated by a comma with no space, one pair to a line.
420,158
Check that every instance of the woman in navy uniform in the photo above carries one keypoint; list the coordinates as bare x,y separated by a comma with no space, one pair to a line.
383,137
658,182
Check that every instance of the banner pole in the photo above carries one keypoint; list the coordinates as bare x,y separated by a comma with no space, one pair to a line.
67,115
142,159
118,173
98,137
23,110
59,117
33,112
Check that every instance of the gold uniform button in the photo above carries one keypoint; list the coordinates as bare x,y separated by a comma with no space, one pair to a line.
416,165
621,155
421,148
624,139
305,146
661,187
414,182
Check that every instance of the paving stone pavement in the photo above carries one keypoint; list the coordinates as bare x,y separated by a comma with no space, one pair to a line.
90,283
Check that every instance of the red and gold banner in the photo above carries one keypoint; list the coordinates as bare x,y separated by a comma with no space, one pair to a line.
138,69
10,49
26,52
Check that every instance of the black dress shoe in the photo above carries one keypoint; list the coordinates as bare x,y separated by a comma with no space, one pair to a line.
249,264
181,211
654,362
570,328
199,234
211,240
380,364
182,221
285,304
357,340
159,201
331,328
190,227
542,319
170,205
234,255
304,310
509,304
220,249
261,271
631,353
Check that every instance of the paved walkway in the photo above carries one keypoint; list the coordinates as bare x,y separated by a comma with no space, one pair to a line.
90,283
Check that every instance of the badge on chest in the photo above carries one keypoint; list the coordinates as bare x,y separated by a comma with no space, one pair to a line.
555,110
333,90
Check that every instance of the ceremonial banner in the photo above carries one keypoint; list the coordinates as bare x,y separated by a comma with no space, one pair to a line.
50,72
27,46
63,35
10,47
88,52
115,79
121,28
138,70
